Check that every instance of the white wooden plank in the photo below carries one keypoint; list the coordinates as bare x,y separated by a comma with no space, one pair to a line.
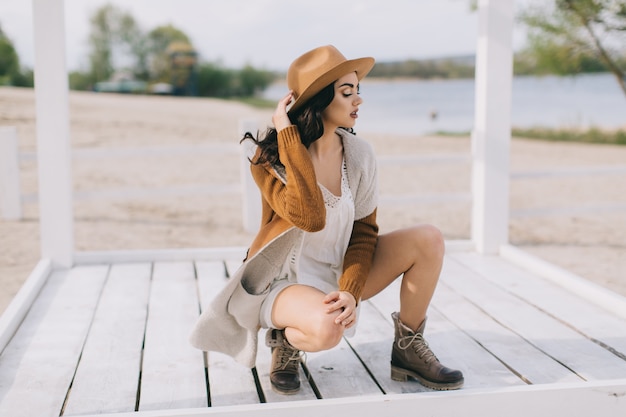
525,359
586,316
158,151
421,160
11,359
604,399
40,361
388,300
451,345
459,245
56,218
372,342
339,373
229,382
458,351
160,255
232,265
608,300
211,277
173,371
20,304
421,198
556,339
107,378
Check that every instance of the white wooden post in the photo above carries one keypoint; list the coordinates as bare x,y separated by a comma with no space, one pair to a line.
10,190
53,133
250,194
492,125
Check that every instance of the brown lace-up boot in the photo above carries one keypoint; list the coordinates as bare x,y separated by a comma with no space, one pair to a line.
411,357
284,374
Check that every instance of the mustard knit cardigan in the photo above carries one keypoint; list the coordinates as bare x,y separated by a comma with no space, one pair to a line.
292,203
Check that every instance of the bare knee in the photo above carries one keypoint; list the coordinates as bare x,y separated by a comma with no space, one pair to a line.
326,334
429,241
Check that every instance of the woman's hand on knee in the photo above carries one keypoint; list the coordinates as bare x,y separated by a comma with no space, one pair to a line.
344,302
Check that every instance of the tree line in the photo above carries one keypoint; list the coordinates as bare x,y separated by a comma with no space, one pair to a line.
119,49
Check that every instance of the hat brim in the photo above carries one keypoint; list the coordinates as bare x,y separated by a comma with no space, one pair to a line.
362,66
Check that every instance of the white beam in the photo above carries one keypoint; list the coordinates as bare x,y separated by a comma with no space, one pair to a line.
20,305
53,133
10,190
595,398
250,194
589,290
492,125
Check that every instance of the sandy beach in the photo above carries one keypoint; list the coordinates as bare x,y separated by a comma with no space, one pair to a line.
164,172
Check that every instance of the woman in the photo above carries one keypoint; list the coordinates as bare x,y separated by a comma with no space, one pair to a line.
318,252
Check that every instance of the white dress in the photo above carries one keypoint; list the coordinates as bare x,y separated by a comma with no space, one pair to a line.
317,260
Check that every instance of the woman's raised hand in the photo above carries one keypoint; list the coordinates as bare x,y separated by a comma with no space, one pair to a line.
280,117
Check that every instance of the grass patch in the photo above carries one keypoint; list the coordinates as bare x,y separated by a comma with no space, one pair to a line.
452,133
257,102
591,135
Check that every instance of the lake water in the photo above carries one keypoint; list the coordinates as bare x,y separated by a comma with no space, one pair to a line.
401,107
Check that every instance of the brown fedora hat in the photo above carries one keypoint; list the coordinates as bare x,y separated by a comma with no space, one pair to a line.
316,69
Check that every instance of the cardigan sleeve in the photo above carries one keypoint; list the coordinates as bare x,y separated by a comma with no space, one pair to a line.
358,258
299,201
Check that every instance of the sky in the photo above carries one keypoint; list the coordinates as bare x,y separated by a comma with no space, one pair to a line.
270,34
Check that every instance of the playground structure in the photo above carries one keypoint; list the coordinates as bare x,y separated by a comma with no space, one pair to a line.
183,66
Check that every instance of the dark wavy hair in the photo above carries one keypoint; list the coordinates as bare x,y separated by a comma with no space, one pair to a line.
308,119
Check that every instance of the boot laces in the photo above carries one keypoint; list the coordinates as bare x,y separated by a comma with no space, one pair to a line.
288,357
419,344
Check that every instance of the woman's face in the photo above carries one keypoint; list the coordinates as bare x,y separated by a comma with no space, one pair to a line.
342,111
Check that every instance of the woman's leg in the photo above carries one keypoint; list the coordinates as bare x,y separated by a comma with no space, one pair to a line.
301,311
416,254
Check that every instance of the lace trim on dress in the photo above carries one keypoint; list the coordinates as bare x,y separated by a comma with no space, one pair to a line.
330,199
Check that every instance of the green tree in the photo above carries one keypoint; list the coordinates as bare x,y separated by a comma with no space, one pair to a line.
115,36
572,36
135,43
251,81
80,80
9,61
215,81
165,54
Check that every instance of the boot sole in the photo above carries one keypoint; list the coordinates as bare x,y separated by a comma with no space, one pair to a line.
285,391
402,375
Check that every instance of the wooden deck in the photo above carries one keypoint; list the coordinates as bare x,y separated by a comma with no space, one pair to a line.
110,337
